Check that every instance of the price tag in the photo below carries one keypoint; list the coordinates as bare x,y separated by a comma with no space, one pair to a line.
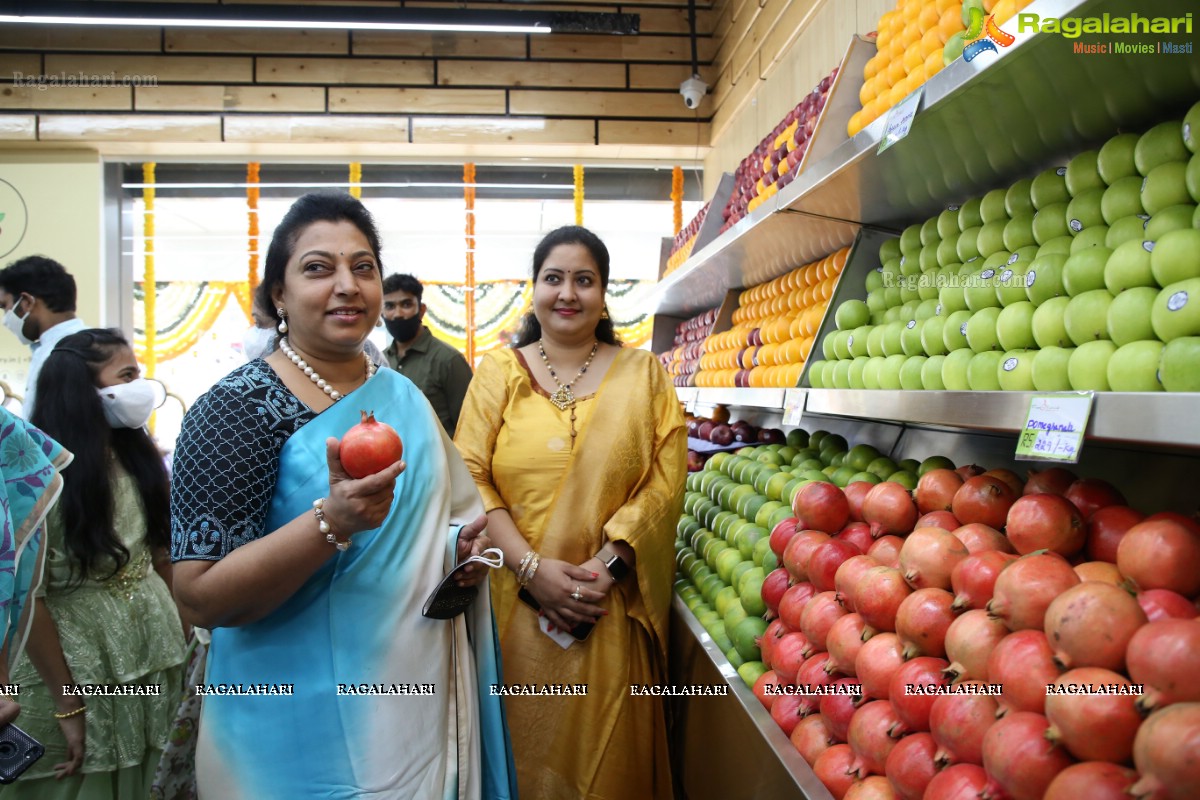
1054,427
900,119
793,406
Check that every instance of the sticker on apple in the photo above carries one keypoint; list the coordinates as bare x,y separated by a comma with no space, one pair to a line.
1014,258
850,341
1010,365
912,323
963,329
1061,171
1148,247
952,208
1004,276
988,273
1076,225
1030,277
1177,301
937,312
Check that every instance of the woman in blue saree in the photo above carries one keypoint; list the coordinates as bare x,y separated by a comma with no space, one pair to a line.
324,680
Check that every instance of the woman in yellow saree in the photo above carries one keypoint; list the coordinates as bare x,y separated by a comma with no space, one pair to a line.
578,448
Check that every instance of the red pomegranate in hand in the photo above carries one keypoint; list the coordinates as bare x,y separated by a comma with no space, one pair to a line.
369,447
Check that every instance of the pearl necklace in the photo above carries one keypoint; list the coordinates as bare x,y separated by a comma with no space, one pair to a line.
313,375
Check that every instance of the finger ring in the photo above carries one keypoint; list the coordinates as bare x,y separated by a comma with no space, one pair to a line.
576,596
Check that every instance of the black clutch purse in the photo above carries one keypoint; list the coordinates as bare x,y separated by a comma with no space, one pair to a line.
449,599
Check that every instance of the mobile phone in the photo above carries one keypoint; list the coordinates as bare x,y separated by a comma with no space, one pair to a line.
18,751
580,631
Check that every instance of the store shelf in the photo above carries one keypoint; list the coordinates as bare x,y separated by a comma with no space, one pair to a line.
987,122
981,125
761,247
1149,417
747,398
1156,418
728,746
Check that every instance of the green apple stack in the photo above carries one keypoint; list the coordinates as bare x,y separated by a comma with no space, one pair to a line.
1084,276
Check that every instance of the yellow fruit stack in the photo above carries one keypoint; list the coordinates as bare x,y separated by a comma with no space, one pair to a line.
909,52
773,329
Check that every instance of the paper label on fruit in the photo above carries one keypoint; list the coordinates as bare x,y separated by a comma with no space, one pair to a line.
1061,171
1055,426
1014,258
1177,301
987,273
1006,275
1148,247
937,312
912,323
1076,225
952,208
1030,278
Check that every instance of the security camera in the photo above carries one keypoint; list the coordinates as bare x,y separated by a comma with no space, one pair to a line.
693,91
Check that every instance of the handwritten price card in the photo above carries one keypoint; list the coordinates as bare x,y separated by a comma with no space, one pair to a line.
793,406
900,119
1054,427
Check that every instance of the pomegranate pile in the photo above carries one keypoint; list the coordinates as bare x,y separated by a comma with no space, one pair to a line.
924,631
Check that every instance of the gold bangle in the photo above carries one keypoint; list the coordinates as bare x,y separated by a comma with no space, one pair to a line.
70,714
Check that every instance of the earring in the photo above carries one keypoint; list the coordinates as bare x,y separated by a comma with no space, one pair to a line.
282,312
604,313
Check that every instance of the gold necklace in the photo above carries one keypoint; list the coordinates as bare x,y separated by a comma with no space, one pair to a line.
563,398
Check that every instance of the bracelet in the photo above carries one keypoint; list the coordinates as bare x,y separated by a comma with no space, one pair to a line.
70,714
528,567
323,526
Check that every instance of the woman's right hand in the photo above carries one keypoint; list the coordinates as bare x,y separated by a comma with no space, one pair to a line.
74,730
357,504
552,586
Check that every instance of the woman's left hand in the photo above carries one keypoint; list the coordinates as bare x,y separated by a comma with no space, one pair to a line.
471,542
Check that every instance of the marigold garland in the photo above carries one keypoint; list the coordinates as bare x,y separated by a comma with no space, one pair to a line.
677,196
356,180
469,199
579,194
148,277
252,194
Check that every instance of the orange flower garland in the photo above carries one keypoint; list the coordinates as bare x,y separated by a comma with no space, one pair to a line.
356,180
252,224
148,283
677,196
469,198
579,194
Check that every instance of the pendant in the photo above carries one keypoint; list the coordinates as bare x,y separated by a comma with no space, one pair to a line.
563,398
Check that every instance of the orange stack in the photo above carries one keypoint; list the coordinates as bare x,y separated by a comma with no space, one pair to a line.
909,42
773,329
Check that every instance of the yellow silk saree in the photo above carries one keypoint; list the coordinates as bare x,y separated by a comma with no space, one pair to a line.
622,479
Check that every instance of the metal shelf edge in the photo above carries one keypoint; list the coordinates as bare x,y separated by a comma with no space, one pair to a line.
799,769
1145,417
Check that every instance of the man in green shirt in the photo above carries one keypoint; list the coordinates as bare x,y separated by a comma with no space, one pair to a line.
435,367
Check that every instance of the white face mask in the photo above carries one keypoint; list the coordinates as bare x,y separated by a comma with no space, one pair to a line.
16,324
258,343
129,405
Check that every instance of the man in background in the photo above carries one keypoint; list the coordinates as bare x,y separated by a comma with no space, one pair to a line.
37,297
435,367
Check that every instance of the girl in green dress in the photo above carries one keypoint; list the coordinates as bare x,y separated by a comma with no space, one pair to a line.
104,619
